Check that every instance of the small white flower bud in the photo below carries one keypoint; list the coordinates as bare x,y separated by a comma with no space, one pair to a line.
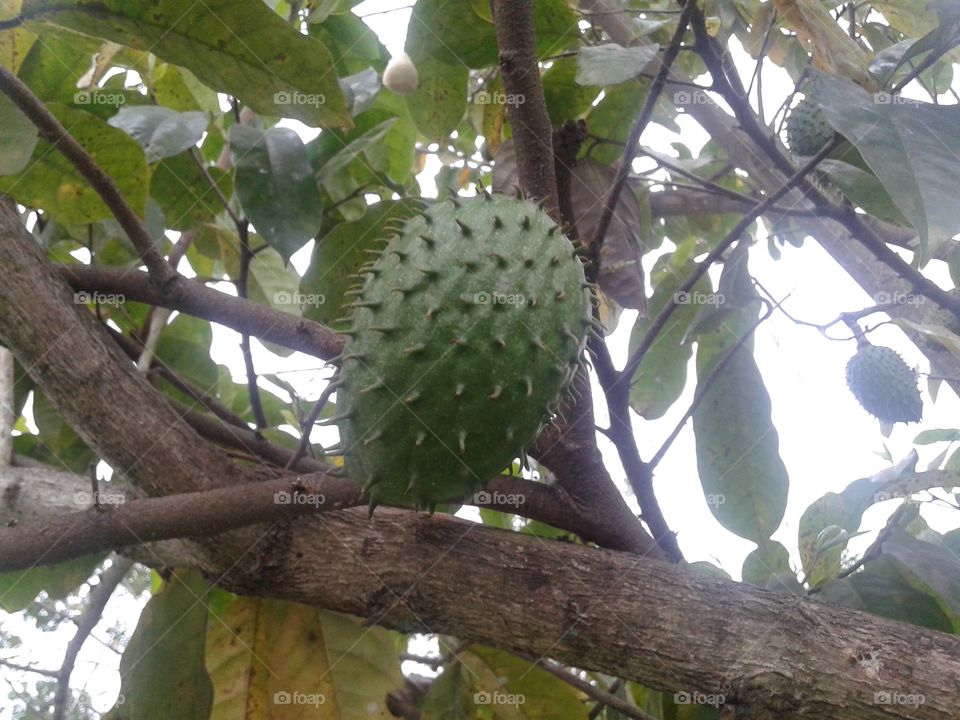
401,75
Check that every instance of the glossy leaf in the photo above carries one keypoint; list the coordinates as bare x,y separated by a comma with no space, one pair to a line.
662,375
51,182
161,131
612,64
275,186
912,147
18,138
298,661
737,444
240,47
162,673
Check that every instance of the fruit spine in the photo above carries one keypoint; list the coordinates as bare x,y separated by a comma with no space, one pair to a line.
465,333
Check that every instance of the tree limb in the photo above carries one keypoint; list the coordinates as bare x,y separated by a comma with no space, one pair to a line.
194,298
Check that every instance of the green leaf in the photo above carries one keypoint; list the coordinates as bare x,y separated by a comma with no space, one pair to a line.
178,88
161,131
276,187
932,569
185,347
566,99
353,45
863,189
489,683
928,437
266,653
185,195
58,443
18,138
441,100
162,672
881,589
340,253
742,474
612,64
360,90
18,589
912,147
51,182
768,566
54,63
612,117
240,47
453,33
662,374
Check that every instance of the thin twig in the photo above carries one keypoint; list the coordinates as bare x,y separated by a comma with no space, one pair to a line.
590,689
53,132
629,152
660,321
96,602
307,427
705,387
253,390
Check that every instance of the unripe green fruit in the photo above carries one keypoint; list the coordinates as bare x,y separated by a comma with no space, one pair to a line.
464,337
884,384
807,129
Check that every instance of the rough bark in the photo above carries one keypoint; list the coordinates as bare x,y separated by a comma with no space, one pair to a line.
613,612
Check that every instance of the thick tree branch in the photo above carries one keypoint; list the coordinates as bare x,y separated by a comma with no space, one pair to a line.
607,611
95,388
188,515
532,132
196,299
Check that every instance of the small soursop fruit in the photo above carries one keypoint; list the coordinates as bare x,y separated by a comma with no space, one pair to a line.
884,384
464,337
807,129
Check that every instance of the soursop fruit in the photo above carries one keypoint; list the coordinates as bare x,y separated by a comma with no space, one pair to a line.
884,384
465,334
807,129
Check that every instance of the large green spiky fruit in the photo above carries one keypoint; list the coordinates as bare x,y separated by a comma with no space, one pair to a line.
884,384
807,129
465,334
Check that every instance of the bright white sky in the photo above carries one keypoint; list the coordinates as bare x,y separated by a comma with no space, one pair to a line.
826,439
